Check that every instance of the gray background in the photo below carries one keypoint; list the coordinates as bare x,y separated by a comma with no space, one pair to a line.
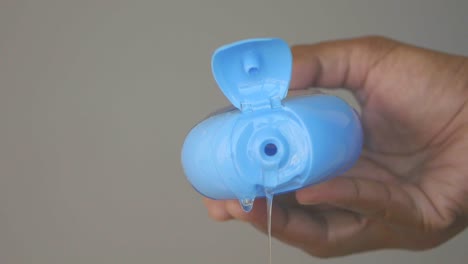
97,96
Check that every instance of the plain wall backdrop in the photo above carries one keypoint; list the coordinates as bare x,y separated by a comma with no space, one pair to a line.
96,98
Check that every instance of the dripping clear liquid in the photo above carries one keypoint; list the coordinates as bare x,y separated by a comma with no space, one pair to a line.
269,203
247,204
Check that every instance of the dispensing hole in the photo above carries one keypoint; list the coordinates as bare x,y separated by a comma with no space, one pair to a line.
253,70
270,149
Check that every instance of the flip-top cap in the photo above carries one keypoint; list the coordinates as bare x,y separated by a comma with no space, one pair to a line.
253,73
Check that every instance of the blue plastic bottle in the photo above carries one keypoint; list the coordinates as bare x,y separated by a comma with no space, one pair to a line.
267,143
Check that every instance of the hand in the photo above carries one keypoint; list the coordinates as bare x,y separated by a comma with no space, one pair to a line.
409,189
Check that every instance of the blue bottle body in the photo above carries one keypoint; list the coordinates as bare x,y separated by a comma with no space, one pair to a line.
317,136
267,145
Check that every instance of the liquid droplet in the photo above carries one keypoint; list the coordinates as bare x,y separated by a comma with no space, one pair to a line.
247,204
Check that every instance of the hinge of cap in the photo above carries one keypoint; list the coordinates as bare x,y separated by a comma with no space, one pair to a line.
273,103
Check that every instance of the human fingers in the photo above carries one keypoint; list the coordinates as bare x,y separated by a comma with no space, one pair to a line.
217,209
338,64
386,201
323,234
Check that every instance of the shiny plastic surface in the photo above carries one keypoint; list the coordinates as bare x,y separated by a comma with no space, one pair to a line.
252,72
273,145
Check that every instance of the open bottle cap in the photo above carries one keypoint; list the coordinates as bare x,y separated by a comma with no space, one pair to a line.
253,74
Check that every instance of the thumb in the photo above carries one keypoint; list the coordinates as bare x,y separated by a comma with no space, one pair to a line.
390,202
338,64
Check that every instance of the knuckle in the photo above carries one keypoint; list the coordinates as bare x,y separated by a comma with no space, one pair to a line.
377,38
427,244
217,215
322,253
